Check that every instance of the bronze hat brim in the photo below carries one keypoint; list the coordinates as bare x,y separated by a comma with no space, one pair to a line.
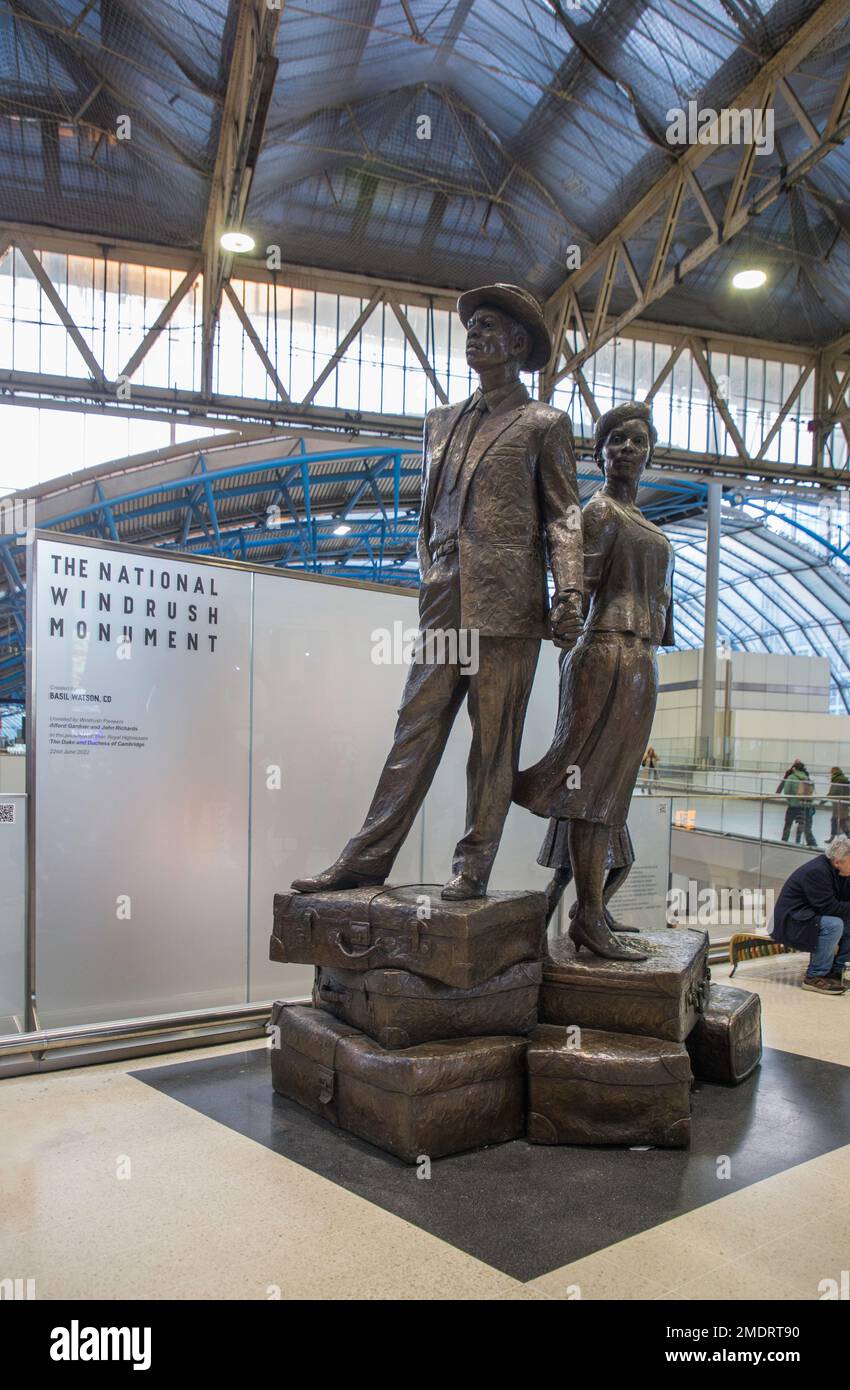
520,307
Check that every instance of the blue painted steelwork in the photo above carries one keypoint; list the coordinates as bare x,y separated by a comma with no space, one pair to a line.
289,529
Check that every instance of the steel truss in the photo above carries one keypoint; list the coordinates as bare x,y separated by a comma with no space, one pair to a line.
830,367
656,215
578,312
284,511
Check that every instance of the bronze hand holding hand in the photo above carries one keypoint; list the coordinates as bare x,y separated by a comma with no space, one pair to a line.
566,618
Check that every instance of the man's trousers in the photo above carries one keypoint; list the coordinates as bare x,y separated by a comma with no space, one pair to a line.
497,697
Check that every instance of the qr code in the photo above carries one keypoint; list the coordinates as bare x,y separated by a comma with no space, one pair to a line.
7,813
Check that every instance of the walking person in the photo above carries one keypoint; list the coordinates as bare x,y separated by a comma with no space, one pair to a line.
806,818
813,914
839,793
650,763
791,788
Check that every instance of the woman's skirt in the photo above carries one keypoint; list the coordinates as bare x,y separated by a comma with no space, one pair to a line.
555,850
609,686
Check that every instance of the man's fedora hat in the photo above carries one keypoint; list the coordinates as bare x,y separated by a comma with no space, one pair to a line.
520,305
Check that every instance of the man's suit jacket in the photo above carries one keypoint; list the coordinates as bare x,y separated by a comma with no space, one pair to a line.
518,506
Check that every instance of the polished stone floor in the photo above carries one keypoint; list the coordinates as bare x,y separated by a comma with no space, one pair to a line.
173,1178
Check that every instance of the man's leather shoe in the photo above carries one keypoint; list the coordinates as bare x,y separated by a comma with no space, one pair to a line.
462,886
338,876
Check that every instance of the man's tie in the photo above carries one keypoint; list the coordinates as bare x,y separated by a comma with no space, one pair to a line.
460,446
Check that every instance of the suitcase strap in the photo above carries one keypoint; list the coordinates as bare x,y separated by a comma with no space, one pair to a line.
327,1079
331,996
326,1085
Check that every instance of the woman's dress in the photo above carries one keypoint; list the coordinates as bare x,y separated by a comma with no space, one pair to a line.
609,681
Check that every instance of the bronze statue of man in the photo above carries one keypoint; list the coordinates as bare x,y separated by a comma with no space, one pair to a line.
499,498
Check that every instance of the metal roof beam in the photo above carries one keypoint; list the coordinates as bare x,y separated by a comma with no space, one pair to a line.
252,71
54,298
84,71
666,192
418,350
254,339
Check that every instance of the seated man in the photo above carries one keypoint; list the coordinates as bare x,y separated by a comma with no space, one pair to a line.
813,914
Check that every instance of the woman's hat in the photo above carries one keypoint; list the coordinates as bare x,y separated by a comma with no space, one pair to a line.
520,305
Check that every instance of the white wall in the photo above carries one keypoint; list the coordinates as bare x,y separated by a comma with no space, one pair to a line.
775,700
13,772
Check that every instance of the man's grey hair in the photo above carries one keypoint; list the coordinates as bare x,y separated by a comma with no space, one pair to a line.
839,849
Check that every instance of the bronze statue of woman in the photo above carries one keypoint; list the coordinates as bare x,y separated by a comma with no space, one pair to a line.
555,855
609,680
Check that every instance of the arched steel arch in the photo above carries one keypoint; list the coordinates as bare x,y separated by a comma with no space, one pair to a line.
354,512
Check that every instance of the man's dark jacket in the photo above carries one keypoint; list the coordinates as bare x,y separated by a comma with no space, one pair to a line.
518,506
813,891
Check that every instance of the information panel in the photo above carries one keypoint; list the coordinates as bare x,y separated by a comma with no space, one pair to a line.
140,718
642,900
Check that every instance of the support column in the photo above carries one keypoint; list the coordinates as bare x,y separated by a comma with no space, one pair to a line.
709,653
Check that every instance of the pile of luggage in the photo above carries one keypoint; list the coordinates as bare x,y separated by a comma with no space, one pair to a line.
442,1026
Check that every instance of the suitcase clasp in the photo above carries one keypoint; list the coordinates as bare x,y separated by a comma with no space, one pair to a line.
326,1085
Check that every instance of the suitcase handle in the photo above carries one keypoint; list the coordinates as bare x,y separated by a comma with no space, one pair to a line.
366,927
352,954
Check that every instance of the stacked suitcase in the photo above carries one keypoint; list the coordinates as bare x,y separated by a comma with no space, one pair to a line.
415,1040
439,1026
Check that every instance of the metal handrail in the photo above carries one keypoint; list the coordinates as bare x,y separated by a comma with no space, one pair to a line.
46,1039
745,796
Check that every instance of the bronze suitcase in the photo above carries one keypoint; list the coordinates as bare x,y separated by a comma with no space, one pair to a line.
399,1009
660,997
410,928
607,1088
426,1101
725,1044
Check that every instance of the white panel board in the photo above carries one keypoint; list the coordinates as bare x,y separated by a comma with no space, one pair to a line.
324,711
141,782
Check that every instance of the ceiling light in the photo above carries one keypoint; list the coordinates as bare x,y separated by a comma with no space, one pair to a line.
238,242
341,530
748,279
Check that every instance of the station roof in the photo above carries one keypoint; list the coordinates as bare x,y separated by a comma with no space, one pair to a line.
435,141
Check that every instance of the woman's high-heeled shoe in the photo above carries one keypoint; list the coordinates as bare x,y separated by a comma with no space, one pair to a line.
596,937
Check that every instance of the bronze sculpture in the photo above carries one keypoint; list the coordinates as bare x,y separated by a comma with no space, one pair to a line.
609,681
499,496
555,854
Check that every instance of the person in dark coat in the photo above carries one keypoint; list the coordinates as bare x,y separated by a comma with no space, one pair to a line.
813,914
839,792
